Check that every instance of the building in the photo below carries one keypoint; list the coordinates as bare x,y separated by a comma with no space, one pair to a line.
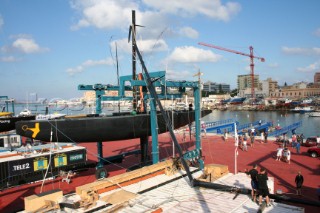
317,78
244,81
247,93
296,91
215,87
268,86
90,96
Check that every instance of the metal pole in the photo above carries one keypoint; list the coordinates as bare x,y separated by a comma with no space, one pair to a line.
172,115
236,149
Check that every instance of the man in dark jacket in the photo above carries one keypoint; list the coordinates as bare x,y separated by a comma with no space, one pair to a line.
263,186
254,182
299,181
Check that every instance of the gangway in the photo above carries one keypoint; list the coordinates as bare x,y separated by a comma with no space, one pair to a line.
220,126
286,129
260,125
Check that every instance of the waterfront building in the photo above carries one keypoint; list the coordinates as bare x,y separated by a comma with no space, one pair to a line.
215,87
296,91
247,93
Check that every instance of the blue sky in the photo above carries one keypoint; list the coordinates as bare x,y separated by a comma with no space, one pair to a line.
49,47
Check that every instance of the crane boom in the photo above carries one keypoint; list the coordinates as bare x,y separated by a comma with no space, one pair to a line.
240,53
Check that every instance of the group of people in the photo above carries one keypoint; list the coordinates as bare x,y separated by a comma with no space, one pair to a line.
243,142
259,184
283,153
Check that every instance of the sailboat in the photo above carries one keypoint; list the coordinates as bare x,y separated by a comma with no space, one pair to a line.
102,128
119,126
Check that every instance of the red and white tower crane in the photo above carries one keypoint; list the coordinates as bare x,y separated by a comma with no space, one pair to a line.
240,53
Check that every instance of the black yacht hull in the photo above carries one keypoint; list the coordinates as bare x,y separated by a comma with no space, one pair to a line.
93,129
8,123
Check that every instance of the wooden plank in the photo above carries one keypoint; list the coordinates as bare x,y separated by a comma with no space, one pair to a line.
118,197
35,202
108,182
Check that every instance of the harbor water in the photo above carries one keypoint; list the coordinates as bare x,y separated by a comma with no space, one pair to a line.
310,125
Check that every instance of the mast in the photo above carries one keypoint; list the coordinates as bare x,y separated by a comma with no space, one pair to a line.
134,61
118,73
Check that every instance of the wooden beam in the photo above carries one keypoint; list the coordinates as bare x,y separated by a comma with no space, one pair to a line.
100,185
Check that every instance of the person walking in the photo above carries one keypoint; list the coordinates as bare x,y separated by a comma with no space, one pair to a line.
254,181
285,139
262,137
279,153
266,137
244,144
299,181
251,139
263,189
294,140
298,147
288,156
204,128
225,135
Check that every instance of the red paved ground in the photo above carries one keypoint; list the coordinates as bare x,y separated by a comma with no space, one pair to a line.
215,150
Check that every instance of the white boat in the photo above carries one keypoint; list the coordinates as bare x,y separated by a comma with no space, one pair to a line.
307,101
50,116
303,109
25,112
296,109
314,114
307,109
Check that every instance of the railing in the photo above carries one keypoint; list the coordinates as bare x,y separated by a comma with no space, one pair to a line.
248,125
286,129
219,123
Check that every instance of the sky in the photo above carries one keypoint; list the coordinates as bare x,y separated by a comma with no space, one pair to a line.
49,47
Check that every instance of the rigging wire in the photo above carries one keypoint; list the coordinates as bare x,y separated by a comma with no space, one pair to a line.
50,152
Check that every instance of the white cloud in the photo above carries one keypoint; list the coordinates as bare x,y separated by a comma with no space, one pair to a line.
8,59
1,22
152,45
273,65
178,75
153,14
189,54
211,8
301,51
310,68
27,45
88,63
104,14
189,32
145,46
317,32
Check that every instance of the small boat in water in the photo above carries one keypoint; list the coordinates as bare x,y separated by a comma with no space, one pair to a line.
234,100
303,109
307,109
314,114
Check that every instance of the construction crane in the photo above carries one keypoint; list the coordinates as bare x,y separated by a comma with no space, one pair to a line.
240,53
